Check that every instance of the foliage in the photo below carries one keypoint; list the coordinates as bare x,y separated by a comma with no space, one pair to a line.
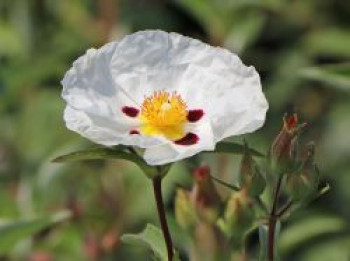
301,49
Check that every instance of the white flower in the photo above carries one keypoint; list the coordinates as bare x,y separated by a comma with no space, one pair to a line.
172,95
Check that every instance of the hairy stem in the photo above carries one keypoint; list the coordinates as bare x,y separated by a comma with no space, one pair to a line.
157,187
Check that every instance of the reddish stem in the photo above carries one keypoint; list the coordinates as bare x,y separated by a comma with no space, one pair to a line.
157,187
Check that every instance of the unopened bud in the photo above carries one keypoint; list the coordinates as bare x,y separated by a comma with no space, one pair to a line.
250,177
238,216
304,183
204,195
283,149
184,211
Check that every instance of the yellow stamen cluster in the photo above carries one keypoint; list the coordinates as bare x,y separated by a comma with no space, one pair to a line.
164,114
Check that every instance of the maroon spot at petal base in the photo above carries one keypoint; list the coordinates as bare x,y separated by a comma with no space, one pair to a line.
134,132
189,139
130,111
194,115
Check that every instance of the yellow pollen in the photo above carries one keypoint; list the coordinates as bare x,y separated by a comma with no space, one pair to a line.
164,114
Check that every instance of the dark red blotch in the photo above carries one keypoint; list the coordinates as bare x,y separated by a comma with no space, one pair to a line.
130,111
134,132
189,139
195,115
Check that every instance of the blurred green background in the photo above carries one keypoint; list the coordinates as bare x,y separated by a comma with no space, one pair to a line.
78,211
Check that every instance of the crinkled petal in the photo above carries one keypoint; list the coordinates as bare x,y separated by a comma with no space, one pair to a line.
203,75
105,131
171,152
88,86
149,61
211,79
234,106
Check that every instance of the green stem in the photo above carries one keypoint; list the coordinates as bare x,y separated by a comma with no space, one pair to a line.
157,187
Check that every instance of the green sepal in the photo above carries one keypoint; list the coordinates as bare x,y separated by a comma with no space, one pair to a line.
119,152
250,177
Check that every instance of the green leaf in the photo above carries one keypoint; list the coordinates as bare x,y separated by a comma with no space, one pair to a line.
244,31
230,147
337,75
115,153
11,233
308,229
221,182
329,41
152,238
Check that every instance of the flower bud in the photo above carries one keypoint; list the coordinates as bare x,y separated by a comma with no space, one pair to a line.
204,195
184,211
238,216
283,149
250,177
304,183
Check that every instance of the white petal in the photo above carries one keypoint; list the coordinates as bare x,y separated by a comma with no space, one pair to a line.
105,131
88,85
122,73
148,61
171,152
204,75
229,93
237,108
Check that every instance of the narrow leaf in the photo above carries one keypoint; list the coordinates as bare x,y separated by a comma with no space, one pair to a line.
230,147
221,182
337,75
108,153
308,230
152,238
12,232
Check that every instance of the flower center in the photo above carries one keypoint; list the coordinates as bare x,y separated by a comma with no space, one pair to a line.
164,114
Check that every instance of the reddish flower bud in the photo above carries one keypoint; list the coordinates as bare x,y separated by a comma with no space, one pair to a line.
204,195
283,149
